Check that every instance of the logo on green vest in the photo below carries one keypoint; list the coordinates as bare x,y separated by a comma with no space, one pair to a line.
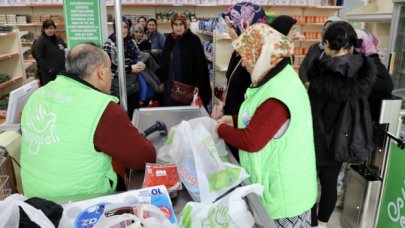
40,129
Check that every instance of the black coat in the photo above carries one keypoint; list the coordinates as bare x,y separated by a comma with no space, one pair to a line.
382,88
237,85
194,64
314,52
50,56
335,82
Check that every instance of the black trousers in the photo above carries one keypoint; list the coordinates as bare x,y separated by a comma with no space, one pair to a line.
328,176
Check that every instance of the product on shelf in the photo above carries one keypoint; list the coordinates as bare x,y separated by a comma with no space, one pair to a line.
4,78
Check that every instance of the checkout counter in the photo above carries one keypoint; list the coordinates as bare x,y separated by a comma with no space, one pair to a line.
145,117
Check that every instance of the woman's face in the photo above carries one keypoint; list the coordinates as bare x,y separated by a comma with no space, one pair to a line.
332,53
152,26
50,31
291,35
247,66
178,27
124,30
138,35
142,21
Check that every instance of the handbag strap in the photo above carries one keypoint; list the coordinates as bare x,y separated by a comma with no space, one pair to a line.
230,78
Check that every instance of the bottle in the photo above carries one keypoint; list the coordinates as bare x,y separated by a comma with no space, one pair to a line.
221,25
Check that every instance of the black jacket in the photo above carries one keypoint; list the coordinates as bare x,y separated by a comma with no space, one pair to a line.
314,52
194,64
382,88
237,85
335,82
50,56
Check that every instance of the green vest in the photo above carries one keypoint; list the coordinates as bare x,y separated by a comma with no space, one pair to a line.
57,152
286,165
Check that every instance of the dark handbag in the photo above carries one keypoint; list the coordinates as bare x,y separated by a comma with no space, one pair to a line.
132,85
182,93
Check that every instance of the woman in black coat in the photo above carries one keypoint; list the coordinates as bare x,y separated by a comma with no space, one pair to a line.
49,52
338,78
184,61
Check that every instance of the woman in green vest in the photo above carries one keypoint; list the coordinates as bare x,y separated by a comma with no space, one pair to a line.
273,129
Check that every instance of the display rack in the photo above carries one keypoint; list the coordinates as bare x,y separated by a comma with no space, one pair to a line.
11,61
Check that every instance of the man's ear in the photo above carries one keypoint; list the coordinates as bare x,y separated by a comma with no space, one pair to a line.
100,72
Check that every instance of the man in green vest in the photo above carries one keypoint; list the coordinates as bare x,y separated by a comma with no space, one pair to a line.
72,128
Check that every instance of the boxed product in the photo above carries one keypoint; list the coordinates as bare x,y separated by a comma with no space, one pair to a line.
39,2
298,2
167,175
86,213
19,2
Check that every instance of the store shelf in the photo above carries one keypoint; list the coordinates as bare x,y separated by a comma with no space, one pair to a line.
37,24
28,63
369,13
7,33
205,33
11,82
9,55
222,68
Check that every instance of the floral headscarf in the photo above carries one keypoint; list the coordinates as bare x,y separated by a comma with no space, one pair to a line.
244,14
369,44
181,17
263,47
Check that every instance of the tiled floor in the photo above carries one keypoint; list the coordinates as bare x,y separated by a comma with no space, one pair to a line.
334,221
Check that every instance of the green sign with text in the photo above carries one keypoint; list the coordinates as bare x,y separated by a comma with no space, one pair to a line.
83,20
392,211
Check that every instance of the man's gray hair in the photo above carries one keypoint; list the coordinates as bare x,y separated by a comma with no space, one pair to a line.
84,59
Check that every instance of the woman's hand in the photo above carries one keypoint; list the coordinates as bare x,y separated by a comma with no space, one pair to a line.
139,67
161,87
227,119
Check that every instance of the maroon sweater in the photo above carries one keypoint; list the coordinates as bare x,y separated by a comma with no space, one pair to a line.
266,121
116,136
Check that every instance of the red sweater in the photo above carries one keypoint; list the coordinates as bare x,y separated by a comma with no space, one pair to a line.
116,136
266,121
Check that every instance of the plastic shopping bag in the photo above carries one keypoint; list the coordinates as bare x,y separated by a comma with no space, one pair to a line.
228,212
163,156
137,216
10,213
85,214
199,165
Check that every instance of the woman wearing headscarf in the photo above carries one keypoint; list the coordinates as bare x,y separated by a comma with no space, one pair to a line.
155,38
184,61
139,37
132,66
49,52
383,85
285,25
314,52
338,79
238,79
273,130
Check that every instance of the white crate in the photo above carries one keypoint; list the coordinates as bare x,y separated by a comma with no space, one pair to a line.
299,2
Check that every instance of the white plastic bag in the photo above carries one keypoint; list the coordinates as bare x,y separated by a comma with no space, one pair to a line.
10,213
163,156
149,216
228,212
200,168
